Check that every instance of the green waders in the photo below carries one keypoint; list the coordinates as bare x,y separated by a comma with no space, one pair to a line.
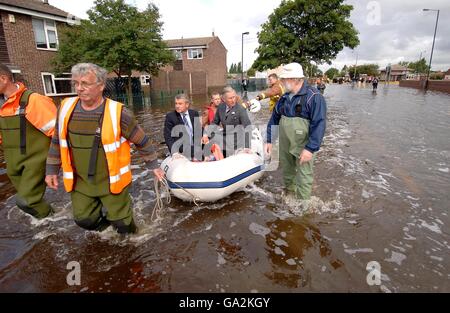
92,194
298,178
25,163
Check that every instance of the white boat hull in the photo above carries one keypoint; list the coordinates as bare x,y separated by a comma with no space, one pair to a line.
212,181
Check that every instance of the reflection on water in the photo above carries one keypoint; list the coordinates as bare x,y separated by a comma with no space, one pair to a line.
380,194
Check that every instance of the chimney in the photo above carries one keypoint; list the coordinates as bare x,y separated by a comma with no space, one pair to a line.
213,34
45,1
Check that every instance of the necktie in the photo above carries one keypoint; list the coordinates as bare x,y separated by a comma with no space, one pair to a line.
188,126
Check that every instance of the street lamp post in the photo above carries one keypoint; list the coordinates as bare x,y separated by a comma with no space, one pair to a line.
242,57
432,47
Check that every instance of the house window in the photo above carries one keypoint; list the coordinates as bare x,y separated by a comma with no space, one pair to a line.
178,54
17,75
45,34
195,54
57,85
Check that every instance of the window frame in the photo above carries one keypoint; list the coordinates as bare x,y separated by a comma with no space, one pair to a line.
191,50
47,28
54,78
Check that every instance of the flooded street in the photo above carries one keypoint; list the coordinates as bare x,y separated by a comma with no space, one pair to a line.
381,193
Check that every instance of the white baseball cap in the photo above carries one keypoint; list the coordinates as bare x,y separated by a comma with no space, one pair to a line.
292,70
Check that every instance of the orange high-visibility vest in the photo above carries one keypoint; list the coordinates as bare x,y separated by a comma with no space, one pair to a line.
40,110
117,148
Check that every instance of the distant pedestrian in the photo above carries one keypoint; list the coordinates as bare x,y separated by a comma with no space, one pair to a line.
374,84
245,85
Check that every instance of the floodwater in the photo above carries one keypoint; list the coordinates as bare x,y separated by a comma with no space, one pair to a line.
381,193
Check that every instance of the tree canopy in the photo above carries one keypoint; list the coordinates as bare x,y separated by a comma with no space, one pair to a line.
235,68
369,69
332,73
304,31
420,66
251,72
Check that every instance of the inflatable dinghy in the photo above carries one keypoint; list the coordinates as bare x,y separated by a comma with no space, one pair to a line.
215,180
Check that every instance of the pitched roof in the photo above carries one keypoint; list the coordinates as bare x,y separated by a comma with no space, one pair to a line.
189,42
398,67
448,72
35,5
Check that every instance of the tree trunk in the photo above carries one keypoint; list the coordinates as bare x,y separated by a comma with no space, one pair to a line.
130,92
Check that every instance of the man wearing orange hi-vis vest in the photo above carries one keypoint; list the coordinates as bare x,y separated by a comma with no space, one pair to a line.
27,122
92,146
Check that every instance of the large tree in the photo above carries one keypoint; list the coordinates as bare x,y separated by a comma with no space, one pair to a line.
344,71
419,66
369,69
304,31
312,70
232,67
239,68
332,73
251,72
118,37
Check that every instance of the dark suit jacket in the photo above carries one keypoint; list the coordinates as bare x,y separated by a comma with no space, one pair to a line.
173,119
236,116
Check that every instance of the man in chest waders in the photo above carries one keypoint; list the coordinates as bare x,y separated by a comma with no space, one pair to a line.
92,145
301,116
27,122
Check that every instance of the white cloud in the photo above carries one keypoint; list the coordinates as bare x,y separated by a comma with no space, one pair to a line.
404,30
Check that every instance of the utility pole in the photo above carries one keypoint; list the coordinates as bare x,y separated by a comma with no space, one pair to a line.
432,47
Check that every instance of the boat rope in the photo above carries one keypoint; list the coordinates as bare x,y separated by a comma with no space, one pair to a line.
159,204
194,198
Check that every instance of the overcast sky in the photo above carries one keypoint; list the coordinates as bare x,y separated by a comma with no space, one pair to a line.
390,31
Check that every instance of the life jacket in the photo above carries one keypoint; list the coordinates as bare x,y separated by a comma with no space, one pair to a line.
116,148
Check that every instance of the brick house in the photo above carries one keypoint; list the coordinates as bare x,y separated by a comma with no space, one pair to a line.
447,75
398,72
201,65
28,42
